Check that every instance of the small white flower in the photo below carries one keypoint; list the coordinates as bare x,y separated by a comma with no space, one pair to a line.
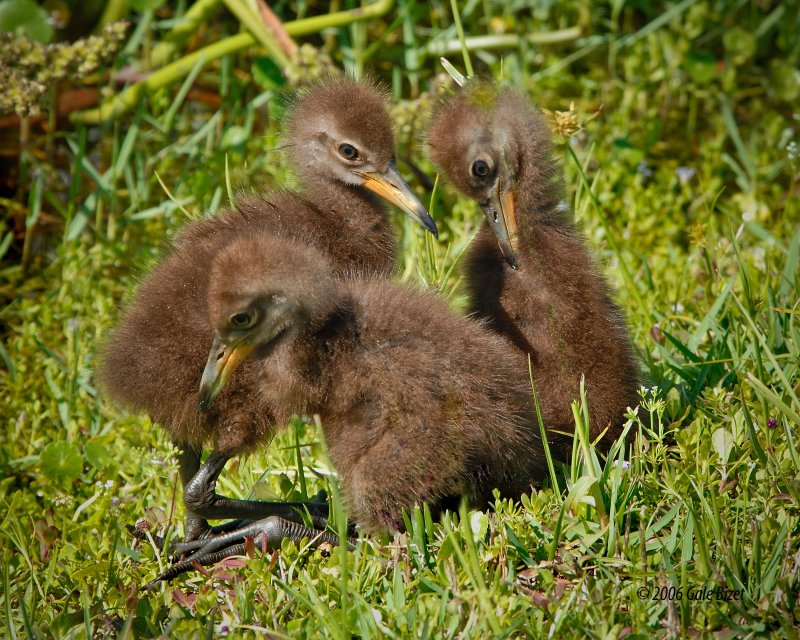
643,170
624,466
685,174
792,151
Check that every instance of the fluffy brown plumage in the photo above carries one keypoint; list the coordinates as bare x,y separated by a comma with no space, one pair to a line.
417,403
153,361
554,305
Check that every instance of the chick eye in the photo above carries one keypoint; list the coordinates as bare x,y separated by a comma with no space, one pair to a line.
241,320
480,169
348,151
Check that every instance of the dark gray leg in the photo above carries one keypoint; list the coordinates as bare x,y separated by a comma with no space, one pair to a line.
189,465
227,533
272,530
187,545
202,500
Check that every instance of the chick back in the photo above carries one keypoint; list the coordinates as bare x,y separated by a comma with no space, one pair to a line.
425,406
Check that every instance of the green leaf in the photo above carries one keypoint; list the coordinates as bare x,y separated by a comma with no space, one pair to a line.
445,550
6,243
723,444
479,524
61,461
263,491
267,73
97,454
709,319
25,18
701,67
740,44
235,137
674,404
454,73
784,80
146,5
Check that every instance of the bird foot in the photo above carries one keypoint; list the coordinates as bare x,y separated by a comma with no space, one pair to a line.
270,531
208,545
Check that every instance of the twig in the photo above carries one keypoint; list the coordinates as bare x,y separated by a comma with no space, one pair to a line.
275,25
252,22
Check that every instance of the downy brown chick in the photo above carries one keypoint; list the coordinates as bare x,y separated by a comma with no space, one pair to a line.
417,403
529,273
341,146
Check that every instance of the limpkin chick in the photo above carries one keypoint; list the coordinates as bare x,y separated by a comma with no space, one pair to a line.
529,273
340,142
417,403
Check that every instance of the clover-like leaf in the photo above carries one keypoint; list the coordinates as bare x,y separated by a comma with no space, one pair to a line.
97,454
61,461
25,17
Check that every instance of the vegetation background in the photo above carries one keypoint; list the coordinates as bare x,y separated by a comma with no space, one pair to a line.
679,133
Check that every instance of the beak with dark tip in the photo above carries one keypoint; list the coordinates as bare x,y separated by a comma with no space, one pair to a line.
222,361
390,186
502,216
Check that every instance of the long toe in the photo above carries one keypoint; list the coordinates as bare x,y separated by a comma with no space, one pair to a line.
269,531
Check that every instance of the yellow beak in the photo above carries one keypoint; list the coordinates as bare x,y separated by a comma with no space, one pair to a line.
501,214
390,186
222,362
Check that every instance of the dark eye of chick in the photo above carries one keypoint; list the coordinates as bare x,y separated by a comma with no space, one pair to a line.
241,320
348,151
480,169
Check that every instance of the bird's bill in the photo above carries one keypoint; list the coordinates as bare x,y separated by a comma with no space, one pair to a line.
222,362
501,213
390,186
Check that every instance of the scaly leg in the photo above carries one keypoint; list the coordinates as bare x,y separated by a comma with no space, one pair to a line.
203,502
189,465
272,530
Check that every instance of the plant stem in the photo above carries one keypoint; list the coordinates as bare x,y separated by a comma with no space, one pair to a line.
196,15
253,23
338,19
127,99
114,10
462,39
506,41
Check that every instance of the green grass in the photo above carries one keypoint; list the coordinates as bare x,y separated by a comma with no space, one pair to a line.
705,267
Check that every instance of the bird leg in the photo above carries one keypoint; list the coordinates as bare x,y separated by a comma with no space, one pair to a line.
274,528
188,466
179,547
270,521
271,531
203,502
197,528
